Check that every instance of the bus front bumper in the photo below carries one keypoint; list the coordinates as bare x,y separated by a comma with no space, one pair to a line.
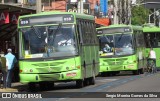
63,76
107,68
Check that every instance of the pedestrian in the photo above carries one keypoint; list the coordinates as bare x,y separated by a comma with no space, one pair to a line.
10,61
97,9
4,70
152,57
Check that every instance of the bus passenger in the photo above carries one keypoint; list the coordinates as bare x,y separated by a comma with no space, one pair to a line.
107,48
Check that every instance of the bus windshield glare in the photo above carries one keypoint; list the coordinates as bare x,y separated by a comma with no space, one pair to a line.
49,41
116,45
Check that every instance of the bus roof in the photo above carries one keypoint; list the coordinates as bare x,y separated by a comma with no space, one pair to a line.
151,29
77,15
122,25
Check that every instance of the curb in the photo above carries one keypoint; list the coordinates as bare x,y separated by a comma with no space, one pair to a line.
8,90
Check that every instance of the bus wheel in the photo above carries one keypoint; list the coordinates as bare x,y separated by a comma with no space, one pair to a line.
113,73
103,74
46,85
86,82
50,85
92,79
42,85
141,71
79,83
32,86
135,72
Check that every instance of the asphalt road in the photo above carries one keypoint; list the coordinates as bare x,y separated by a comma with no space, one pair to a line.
105,89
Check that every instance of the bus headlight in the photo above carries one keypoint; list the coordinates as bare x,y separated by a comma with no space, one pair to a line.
31,70
67,68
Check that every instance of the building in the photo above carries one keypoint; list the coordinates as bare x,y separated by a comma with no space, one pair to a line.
15,8
10,10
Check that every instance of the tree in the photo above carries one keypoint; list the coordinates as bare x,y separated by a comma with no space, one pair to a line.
139,15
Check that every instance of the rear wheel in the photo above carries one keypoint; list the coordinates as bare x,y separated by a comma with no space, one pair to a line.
46,85
141,71
92,79
79,83
135,72
32,86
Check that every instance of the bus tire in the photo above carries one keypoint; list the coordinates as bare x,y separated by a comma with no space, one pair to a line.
86,82
80,83
32,86
141,71
42,86
46,85
92,79
135,72
103,74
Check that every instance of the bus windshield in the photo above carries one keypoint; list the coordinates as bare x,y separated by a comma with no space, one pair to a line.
152,40
49,41
116,45
123,44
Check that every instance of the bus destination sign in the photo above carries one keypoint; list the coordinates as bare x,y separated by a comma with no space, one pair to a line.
46,19
114,30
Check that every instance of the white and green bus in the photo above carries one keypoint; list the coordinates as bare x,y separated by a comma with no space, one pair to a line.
152,40
122,48
58,46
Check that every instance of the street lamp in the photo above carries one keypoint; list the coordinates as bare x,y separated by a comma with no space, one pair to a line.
155,12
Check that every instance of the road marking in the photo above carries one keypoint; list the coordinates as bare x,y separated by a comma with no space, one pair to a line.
104,80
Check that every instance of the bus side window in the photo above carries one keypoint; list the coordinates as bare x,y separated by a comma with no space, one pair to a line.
84,34
78,31
94,33
158,39
89,33
79,28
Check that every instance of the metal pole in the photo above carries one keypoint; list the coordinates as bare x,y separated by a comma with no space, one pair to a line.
149,21
38,6
2,1
149,17
81,6
115,12
154,17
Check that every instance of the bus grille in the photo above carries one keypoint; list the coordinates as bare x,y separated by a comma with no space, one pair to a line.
116,61
49,67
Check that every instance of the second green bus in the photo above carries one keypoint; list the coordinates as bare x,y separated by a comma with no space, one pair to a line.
122,48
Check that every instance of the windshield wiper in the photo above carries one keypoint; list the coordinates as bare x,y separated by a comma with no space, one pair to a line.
36,31
107,39
59,26
120,37
55,32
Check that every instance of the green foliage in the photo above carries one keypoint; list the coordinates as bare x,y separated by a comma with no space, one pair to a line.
139,15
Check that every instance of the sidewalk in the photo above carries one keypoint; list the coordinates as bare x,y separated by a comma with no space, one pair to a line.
16,87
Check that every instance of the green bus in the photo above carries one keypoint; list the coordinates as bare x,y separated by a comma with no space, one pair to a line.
121,48
152,39
58,47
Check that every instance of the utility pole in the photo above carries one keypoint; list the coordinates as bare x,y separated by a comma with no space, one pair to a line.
38,6
115,18
2,1
129,11
80,6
